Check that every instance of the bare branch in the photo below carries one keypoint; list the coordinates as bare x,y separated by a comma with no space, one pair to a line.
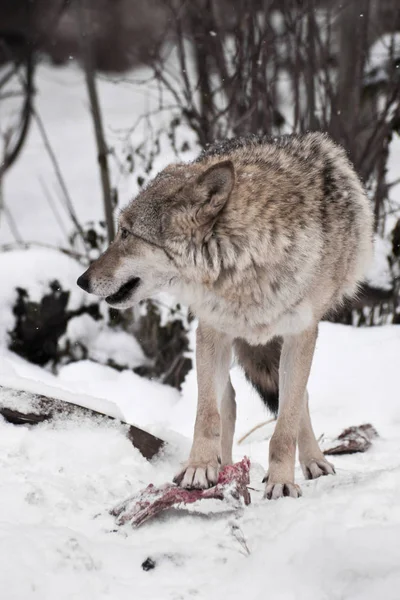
97,118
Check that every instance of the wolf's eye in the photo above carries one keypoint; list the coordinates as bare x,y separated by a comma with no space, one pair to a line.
124,233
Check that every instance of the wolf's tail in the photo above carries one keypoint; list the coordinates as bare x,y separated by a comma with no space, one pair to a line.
261,367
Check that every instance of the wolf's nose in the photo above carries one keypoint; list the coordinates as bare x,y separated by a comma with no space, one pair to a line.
84,282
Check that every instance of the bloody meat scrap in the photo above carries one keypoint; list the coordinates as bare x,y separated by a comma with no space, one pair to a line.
353,439
231,487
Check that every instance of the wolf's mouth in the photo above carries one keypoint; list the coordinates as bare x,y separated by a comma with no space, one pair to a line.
124,291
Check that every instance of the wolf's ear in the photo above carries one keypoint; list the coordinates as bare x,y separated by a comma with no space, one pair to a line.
215,186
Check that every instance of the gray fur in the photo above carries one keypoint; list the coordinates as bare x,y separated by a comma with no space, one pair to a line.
261,237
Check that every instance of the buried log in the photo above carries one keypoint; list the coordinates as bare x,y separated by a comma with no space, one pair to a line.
20,407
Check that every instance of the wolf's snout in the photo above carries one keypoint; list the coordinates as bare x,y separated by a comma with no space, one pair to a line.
83,282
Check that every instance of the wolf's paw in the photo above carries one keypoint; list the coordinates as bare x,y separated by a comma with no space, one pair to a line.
201,469
316,467
274,490
198,476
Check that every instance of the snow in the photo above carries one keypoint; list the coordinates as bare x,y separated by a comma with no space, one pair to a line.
58,480
379,274
382,57
393,176
340,540
102,344
41,386
33,271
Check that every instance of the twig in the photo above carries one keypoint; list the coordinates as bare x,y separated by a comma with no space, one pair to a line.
26,111
238,534
255,429
60,178
13,225
393,183
21,245
53,207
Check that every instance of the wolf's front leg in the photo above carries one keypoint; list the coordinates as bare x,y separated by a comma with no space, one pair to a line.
294,369
213,355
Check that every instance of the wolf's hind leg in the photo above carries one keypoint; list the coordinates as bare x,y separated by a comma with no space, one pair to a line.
228,421
294,369
312,460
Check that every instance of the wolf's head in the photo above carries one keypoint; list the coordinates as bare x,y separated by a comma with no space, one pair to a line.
166,236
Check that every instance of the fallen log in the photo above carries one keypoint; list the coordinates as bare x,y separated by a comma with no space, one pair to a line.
21,407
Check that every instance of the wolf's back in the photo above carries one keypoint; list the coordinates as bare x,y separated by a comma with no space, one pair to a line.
337,208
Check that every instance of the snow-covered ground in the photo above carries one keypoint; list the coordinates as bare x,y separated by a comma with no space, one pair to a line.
340,541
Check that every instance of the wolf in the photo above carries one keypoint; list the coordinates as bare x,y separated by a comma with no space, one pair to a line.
261,237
